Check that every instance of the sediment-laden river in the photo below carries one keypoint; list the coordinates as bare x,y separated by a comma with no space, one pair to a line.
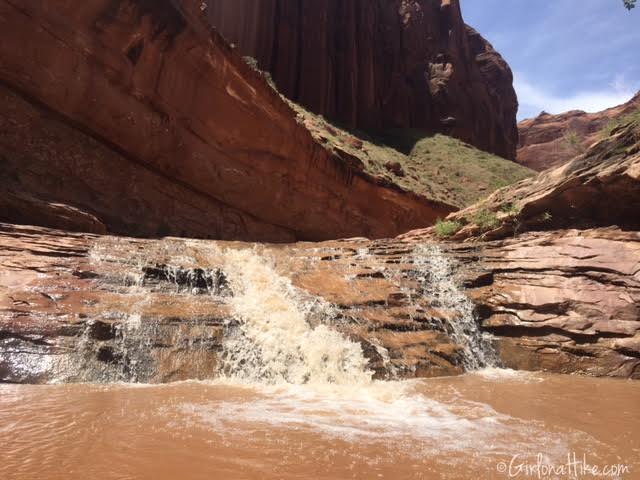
490,424
292,392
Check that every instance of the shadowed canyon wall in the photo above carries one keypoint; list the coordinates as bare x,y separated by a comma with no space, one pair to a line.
375,64
133,117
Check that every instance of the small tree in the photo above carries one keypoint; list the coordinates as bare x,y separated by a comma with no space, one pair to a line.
574,142
629,4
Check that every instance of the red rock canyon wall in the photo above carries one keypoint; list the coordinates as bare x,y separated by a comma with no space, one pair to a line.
376,64
133,117
550,140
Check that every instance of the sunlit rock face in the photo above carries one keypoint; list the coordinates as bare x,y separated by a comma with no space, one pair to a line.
133,117
548,141
597,189
99,308
380,64
108,308
191,141
565,301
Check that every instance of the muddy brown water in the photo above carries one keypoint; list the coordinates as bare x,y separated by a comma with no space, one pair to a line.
491,424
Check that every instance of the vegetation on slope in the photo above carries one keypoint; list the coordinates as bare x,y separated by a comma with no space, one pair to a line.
615,123
596,189
437,166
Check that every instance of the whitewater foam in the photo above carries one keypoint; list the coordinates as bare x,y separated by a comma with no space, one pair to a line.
394,414
272,339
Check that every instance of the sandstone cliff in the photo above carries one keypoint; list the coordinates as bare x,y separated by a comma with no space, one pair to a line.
562,300
600,188
132,117
100,308
380,64
551,140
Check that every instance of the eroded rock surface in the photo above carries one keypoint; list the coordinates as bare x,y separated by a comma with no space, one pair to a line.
81,307
565,301
548,141
133,117
597,189
94,307
380,64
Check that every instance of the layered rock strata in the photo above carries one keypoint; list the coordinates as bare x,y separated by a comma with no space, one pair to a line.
599,188
548,140
99,308
133,117
380,64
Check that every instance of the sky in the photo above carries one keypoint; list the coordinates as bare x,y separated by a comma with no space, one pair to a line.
565,54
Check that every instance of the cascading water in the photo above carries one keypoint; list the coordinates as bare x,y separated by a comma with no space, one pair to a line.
282,335
132,344
434,272
301,376
275,333
273,341
295,396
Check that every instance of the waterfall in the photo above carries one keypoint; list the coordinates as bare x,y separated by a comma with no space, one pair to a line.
275,338
280,334
435,273
273,332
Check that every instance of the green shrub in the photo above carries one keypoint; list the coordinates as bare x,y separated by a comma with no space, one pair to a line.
608,129
511,209
631,117
574,142
486,220
446,228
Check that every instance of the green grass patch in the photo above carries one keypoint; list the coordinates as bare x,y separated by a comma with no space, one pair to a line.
447,228
460,173
436,166
513,210
574,142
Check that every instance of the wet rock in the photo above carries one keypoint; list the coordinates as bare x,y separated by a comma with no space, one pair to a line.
98,330
196,280
563,301
100,325
557,298
91,307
